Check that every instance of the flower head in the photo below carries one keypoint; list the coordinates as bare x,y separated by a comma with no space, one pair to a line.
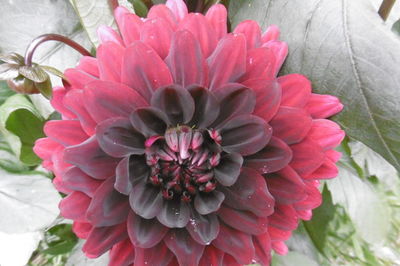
180,146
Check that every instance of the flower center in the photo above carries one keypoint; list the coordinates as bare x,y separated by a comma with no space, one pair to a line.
182,161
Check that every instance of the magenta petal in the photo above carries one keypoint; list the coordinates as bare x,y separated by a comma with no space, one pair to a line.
77,78
161,11
245,134
249,193
284,218
149,121
327,170
145,233
228,61
178,8
279,50
101,239
273,157
189,67
75,179
57,102
186,250
203,228
228,169
307,157
323,106
74,206
105,99
252,31
45,147
206,203
217,18
313,199
198,25
65,132
174,213
287,178
296,90
129,25
268,97
122,254
159,255
326,133
291,124
236,243
262,246
243,221
271,34
157,34
146,200
74,102
91,159
144,70
89,65
117,138
109,55
108,34
108,206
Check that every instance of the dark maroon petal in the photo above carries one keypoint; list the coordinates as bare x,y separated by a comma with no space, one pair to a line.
130,170
74,206
106,99
284,218
296,90
273,157
206,107
235,99
144,70
101,239
186,250
211,256
174,213
206,203
291,124
118,138
109,55
286,186
176,102
159,255
268,97
229,260
235,243
245,134
91,159
228,61
203,228
149,121
122,254
146,200
108,206
249,193
243,221
228,169
65,132
262,245
307,157
145,233
188,67
75,179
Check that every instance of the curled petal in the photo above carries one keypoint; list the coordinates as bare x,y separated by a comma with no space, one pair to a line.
326,133
45,147
323,106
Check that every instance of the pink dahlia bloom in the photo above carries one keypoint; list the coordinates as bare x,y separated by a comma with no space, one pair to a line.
179,145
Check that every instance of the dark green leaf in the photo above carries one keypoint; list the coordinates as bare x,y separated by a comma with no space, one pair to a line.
396,27
5,91
139,7
345,49
45,88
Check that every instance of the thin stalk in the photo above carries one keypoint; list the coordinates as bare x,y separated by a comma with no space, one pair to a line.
385,8
52,37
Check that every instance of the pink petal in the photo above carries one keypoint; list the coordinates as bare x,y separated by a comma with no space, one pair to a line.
323,106
57,102
271,34
211,256
44,148
280,50
65,132
188,67
105,99
157,34
159,255
77,78
122,254
284,217
217,18
129,25
144,70
268,97
327,170
280,248
74,206
296,90
178,8
198,25
228,61
81,229
107,34
313,199
161,11
307,157
251,30
326,133
278,234
89,65
305,215
76,180
109,55
291,124
262,245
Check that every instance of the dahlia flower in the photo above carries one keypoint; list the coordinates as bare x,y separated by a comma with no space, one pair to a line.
179,145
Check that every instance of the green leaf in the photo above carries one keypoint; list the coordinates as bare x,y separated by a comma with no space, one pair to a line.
140,8
5,91
21,125
293,258
34,73
362,203
8,161
317,228
346,50
396,27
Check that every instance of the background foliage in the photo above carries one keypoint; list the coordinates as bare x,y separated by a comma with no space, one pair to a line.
342,46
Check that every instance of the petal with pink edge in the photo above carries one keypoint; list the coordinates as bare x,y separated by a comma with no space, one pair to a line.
326,133
122,254
211,256
296,90
178,8
323,106
307,157
77,78
57,102
89,65
161,11
108,34
271,34
75,179
217,18
109,55
157,34
74,206
159,255
128,24
284,217
252,31
65,132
